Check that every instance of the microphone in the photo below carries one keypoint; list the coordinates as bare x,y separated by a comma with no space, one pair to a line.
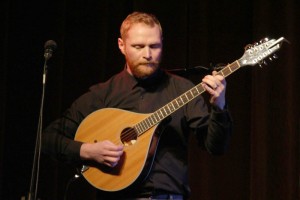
49,47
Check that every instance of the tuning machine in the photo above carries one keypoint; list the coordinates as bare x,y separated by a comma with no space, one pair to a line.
248,46
264,40
262,63
274,56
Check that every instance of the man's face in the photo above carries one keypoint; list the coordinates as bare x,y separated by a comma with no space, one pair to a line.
142,48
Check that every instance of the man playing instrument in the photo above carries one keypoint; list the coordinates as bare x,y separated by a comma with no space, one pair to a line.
144,87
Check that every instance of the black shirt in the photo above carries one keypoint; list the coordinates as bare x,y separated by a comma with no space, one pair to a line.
169,171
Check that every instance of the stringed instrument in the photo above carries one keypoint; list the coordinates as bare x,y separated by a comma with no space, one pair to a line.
139,133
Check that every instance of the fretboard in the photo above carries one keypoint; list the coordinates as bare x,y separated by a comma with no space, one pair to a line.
179,102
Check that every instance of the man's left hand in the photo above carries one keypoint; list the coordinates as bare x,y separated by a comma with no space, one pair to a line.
215,85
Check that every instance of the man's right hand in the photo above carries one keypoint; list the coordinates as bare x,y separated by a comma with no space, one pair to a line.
104,152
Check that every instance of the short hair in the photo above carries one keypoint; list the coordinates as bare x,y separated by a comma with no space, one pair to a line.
138,17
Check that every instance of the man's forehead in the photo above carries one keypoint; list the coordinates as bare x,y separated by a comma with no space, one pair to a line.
141,31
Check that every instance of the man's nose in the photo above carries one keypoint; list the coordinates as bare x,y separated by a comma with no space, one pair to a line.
147,53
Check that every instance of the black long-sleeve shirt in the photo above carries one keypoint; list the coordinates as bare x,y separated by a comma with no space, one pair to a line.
169,170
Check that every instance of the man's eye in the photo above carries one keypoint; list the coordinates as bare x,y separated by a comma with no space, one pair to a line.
138,47
155,46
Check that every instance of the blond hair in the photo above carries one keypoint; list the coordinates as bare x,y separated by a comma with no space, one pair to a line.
138,17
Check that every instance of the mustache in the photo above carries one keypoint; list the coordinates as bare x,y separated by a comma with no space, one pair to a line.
149,63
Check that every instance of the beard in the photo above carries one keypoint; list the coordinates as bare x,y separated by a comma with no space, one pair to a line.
143,70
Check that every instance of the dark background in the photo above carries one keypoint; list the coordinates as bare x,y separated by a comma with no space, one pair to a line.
263,159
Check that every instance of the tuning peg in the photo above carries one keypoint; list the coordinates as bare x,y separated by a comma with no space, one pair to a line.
270,58
275,56
248,46
264,40
265,62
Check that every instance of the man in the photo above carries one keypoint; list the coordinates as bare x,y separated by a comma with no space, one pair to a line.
143,87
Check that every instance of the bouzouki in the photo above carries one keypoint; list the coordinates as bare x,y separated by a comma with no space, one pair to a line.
139,133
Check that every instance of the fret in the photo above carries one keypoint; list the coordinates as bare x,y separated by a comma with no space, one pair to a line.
144,123
235,66
167,109
185,98
179,101
196,88
151,117
163,112
194,91
222,73
141,127
147,122
171,107
200,88
156,117
189,95
137,128
176,107
150,121
159,115
230,68
226,71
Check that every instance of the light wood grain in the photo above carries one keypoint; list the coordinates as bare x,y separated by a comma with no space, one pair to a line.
108,124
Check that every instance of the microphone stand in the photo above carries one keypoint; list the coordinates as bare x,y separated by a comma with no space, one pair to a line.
38,143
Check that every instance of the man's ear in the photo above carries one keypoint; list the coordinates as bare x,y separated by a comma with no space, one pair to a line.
121,45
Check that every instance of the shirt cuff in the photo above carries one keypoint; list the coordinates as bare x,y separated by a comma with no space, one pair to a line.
221,116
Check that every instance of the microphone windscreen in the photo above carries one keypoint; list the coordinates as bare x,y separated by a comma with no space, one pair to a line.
50,44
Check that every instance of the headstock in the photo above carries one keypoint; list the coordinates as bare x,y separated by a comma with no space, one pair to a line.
257,53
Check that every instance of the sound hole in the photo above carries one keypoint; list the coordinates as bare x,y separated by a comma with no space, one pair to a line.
128,136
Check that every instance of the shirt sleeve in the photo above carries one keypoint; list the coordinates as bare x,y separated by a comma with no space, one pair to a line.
219,132
213,128
58,137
